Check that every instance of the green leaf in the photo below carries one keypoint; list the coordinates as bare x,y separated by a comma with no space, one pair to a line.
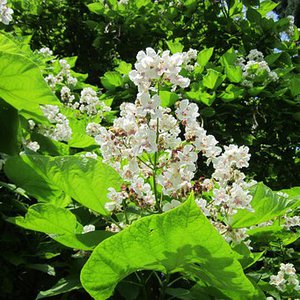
61,225
33,178
253,15
180,240
256,90
43,268
80,139
86,241
234,73
204,56
266,6
293,192
8,45
124,68
64,285
213,79
97,7
231,93
22,84
266,204
228,58
207,112
49,219
175,46
295,86
168,98
111,80
274,233
203,97
235,8
272,58
84,179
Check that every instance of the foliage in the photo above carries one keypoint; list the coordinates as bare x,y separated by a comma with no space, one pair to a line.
80,219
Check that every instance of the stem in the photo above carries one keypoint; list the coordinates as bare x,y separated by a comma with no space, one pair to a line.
125,212
143,283
175,280
144,163
164,287
157,202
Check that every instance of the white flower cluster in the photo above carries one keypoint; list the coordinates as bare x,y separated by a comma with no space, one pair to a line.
255,66
116,199
93,129
286,278
33,146
291,222
156,152
290,30
45,51
232,192
152,66
64,76
61,130
90,104
66,96
88,228
5,12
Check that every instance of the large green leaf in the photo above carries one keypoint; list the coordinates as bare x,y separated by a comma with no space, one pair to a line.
60,224
48,218
84,179
180,240
266,204
22,84
33,177
8,45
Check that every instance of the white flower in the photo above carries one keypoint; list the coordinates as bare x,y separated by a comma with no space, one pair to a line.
5,12
66,95
187,111
287,268
88,228
45,51
202,203
291,222
34,146
31,124
62,130
93,129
